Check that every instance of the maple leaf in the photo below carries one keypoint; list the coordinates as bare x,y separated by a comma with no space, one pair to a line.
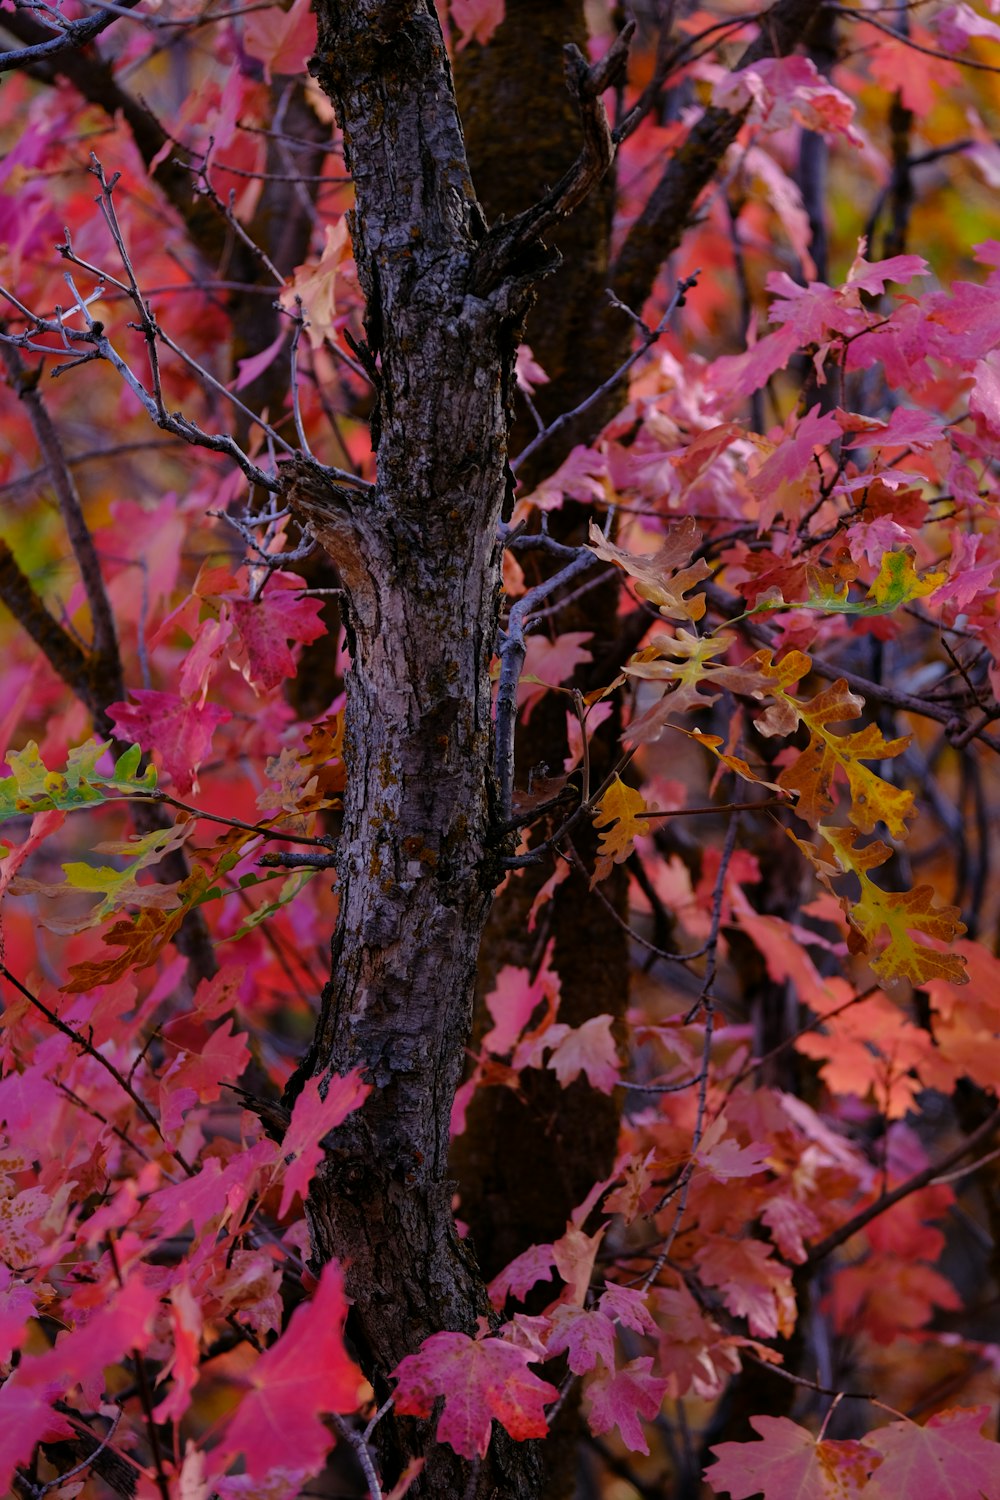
695,1354
787,90
305,1372
26,1418
186,1325
282,39
314,1113
573,1255
17,1305
618,1398
789,1464
480,1380
549,663
266,624
725,1158
753,1284
665,577
178,729
948,1458
589,1049
524,1271
617,814
585,1337
476,19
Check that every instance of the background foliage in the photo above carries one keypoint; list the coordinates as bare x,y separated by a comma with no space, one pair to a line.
727,1137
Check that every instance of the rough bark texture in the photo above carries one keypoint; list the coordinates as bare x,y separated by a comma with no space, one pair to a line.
418,855
419,559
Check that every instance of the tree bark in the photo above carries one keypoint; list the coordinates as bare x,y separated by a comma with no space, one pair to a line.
420,560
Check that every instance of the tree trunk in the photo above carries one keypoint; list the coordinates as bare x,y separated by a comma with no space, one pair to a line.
418,857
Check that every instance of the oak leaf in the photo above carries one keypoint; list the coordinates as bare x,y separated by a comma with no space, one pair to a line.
667,575
617,814
882,922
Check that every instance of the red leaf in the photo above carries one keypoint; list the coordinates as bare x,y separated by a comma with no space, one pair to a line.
585,1336
312,1116
180,731
305,1372
266,625
480,1379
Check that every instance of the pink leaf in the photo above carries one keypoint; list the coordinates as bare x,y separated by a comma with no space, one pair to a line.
476,19
185,1322
725,1158
281,39
312,1116
26,1418
619,1399
179,731
480,1379
789,1464
753,1284
251,368
307,1371
784,91
17,1305
265,626
948,1459
586,1337
628,1305
525,1270
589,1049
513,1001
212,1192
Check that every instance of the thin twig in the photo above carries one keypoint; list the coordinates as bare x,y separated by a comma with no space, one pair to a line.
648,339
912,1185
98,1057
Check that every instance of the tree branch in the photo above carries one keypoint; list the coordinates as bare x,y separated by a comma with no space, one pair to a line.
911,1185
72,37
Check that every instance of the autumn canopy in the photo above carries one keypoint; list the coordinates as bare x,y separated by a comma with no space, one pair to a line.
499,892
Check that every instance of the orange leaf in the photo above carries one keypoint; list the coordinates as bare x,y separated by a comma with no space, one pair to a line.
616,813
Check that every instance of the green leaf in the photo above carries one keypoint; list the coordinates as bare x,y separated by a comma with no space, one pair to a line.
896,583
33,787
291,887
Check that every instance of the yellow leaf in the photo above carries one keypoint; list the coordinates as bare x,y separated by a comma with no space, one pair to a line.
882,921
811,775
616,813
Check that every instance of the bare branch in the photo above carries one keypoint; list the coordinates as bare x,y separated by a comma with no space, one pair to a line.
71,38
